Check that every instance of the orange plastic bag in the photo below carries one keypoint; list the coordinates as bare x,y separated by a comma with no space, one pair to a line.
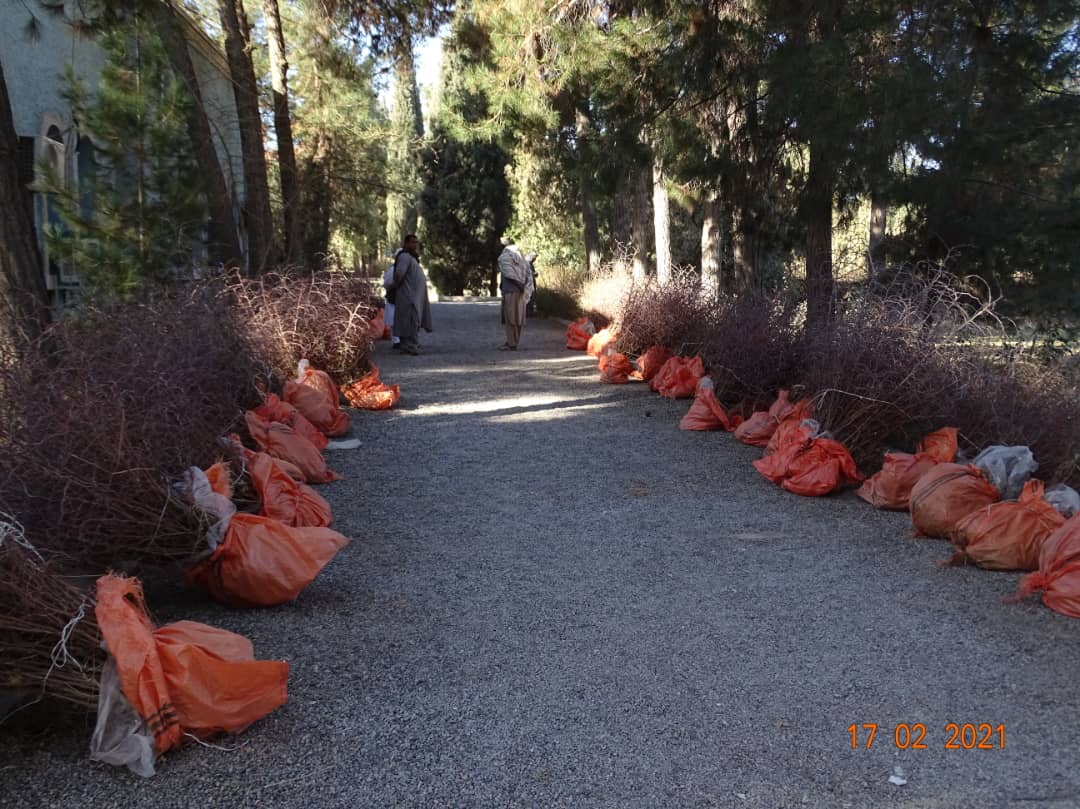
808,466
940,445
369,393
678,378
615,369
129,636
891,487
263,563
650,363
216,684
274,409
600,341
824,467
774,466
315,395
1058,576
285,500
317,408
578,334
319,380
706,413
283,442
185,676
220,479
377,326
945,495
789,428
1007,535
758,429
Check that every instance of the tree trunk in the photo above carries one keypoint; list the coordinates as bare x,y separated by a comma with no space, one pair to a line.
22,279
403,161
590,228
661,223
639,222
279,69
878,217
223,240
257,217
316,200
743,250
712,243
621,216
817,216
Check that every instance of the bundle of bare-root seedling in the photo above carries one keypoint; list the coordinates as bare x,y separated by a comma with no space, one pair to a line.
323,317
896,364
602,295
49,640
674,315
751,349
102,415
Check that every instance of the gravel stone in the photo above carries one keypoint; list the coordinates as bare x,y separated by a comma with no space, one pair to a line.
555,598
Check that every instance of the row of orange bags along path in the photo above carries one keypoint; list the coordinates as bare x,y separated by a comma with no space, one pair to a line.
187,679
1029,529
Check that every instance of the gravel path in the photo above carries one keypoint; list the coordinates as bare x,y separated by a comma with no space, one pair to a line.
556,598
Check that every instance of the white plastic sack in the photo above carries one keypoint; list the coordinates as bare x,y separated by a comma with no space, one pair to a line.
1063,498
196,488
1008,468
344,443
815,428
121,737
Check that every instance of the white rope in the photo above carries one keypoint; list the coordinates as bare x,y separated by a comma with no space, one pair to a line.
60,653
197,740
11,528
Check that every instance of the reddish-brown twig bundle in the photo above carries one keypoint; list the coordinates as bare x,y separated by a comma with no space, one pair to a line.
322,317
675,315
102,414
751,349
49,640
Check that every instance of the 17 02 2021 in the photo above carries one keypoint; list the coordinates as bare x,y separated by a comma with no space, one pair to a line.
916,736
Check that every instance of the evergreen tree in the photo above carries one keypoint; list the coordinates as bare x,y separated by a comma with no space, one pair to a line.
139,207
340,135
403,152
466,199
257,216
287,173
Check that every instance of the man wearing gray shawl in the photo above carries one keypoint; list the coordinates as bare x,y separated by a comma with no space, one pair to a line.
516,287
412,311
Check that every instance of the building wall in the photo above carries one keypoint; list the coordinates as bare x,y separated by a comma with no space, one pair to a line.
220,104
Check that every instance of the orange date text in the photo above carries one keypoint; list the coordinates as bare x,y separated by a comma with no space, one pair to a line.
916,736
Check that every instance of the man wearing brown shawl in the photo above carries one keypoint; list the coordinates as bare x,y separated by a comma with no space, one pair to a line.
516,288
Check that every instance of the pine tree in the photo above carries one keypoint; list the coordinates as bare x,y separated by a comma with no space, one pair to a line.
137,216
466,198
340,136
257,219
287,172
403,152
